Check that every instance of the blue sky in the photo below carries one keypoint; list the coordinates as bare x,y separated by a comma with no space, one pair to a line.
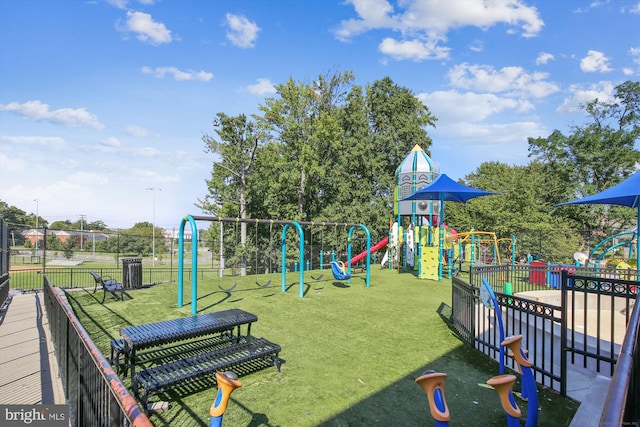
101,100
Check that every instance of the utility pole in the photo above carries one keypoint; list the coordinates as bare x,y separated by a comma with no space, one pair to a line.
81,231
153,225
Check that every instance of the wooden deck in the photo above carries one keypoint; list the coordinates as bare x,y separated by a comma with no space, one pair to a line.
28,366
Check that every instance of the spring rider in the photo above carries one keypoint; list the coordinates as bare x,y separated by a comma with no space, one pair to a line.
503,384
513,343
432,383
227,382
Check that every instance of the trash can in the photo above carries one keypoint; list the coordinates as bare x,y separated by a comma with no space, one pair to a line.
132,273
538,273
555,279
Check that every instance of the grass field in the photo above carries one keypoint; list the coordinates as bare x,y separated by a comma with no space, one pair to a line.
350,354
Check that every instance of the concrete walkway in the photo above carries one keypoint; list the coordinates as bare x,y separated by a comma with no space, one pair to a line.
28,365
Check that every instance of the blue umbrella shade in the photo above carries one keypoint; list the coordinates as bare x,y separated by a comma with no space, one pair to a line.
626,193
444,188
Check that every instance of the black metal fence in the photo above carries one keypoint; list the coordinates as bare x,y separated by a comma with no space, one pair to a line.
588,314
95,393
79,277
537,322
539,275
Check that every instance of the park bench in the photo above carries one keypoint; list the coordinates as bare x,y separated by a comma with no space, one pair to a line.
108,285
189,370
164,353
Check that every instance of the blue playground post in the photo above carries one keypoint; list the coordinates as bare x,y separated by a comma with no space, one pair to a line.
528,381
367,258
284,257
432,383
194,263
489,299
227,383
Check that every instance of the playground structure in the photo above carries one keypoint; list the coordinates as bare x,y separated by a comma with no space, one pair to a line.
623,243
418,237
286,224
415,247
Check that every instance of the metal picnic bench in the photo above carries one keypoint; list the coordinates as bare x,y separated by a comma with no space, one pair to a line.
189,349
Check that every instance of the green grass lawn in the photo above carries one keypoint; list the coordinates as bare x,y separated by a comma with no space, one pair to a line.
350,354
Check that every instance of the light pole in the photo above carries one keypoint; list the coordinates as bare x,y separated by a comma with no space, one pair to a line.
153,225
37,208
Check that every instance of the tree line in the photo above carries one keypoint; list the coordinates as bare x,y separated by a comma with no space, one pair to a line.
327,150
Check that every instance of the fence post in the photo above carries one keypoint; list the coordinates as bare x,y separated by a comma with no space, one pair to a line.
563,333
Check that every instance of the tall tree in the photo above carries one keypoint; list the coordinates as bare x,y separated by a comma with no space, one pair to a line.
524,209
597,156
302,119
238,143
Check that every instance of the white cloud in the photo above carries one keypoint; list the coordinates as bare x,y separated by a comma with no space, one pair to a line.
147,152
120,4
112,142
476,46
417,50
509,80
454,106
262,87
544,57
242,32
635,9
595,61
72,117
147,29
496,133
160,72
580,95
424,24
49,142
137,131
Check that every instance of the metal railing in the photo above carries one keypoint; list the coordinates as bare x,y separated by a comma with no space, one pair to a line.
622,405
96,395
537,322
79,277
583,323
4,289
542,276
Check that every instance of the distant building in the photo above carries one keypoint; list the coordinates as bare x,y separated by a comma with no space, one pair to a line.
64,235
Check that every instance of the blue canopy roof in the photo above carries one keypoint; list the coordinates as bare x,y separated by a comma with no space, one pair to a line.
444,188
626,193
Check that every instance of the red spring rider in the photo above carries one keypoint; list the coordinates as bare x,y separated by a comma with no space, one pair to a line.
227,382
433,384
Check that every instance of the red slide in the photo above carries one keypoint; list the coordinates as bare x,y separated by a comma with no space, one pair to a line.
375,247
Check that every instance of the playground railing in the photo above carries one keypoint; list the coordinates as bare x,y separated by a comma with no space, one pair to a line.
79,277
622,406
553,324
538,323
539,275
4,288
85,372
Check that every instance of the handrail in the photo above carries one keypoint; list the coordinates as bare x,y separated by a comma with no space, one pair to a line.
125,400
617,397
